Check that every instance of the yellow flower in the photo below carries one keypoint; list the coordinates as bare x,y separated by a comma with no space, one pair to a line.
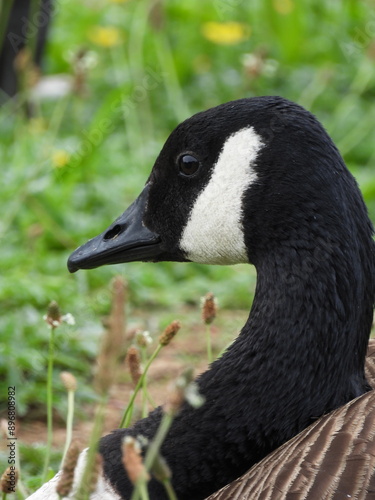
283,6
105,36
228,33
60,158
37,125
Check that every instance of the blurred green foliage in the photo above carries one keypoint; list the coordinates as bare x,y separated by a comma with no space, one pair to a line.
137,68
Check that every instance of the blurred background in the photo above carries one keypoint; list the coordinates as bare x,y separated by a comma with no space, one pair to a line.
90,91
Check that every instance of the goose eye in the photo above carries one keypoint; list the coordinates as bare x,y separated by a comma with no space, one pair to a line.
188,165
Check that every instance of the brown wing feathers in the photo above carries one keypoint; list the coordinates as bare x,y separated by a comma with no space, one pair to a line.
370,363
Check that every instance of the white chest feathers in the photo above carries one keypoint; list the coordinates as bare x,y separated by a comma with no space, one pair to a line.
214,231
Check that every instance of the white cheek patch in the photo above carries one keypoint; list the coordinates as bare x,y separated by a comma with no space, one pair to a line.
214,231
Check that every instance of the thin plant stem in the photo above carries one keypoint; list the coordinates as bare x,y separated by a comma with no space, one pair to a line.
69,424
82,492
144,491
208,342
20,486
169,489
126,418
154,449
144,385
140,491
156,443
51,355
151,400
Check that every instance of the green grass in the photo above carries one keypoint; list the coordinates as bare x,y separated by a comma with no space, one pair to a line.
320,54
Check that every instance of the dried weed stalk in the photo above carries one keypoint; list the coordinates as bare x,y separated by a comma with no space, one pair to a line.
113,342
209,310
134,362
8,481
65,483
164,339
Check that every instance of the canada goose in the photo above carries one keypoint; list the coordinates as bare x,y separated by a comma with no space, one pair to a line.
255,180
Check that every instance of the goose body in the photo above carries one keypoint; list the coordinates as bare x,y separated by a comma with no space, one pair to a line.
333,459
260,181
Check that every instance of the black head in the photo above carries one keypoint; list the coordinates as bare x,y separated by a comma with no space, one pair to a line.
231,184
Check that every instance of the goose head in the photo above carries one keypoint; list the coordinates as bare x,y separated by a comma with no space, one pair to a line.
228,184
191,208
233,184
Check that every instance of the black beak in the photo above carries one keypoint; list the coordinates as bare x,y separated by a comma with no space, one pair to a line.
126,240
